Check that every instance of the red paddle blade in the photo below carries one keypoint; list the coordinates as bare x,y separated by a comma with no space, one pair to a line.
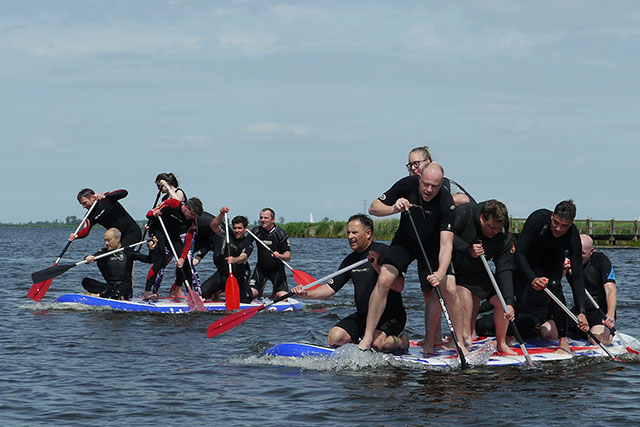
194,300
232,293
38,290
231,321
302,278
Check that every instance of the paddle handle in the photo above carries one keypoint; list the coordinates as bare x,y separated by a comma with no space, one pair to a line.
504,307
257,239
84,261
226,223
575,319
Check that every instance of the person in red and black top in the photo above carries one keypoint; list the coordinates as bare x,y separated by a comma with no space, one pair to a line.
180,220
269,265
109,213
539,259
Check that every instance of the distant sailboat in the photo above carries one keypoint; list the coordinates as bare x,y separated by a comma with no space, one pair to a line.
311,217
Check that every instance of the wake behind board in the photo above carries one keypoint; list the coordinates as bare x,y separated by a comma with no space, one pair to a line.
166,305
540,351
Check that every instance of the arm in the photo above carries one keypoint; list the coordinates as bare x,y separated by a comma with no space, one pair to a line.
611,293
321,292
171,203
215,224
114,195
240,259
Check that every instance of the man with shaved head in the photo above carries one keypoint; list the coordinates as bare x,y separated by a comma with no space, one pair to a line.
600,282
115,268
432,209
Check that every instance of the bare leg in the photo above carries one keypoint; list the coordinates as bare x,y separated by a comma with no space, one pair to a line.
450,295
548,330
502,325
466,303
338,337
431,323
602,333
377,303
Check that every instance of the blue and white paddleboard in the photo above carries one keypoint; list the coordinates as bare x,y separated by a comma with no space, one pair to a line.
540,351
166,305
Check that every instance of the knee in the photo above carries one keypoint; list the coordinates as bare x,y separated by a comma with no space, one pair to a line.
338,337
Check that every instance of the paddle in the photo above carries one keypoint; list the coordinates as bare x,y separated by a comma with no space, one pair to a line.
613,329
193,299
300,277
504,307
56,270
233,320
231,288
40,288
575,319
463,362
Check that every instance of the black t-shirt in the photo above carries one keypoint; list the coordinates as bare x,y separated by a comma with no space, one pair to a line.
117,267
430,217
277,240
236,247
364,280
597,271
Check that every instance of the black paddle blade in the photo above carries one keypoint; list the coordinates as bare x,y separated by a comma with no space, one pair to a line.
50,273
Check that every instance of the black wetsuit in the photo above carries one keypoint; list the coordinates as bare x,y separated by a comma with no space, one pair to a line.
241,272
181,231
364,280
597,271
430,218
109,213
116,270
267,266
470,272
540,254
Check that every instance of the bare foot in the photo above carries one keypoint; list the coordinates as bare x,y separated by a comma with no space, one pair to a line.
427,350
563,351
505,350
177,293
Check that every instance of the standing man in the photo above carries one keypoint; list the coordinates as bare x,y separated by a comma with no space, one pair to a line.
180,220
351,329
539,259
269,265
482,230
109,213
115,268
237,254
431,208
600,282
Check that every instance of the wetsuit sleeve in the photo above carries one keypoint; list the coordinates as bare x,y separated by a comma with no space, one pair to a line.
447,211
606,270
171,203
188,239
248,246
116,194
139,256
575,255
339,281
523,246
284,245
459,225
504,272
398,190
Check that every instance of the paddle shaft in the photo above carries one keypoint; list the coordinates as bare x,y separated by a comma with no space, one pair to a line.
504,307
146,229
613,329
257,239
575,319
194,300
463,362
233,320
226,222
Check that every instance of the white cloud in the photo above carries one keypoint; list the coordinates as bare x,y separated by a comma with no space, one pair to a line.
253,44
186,141
81,40
273,128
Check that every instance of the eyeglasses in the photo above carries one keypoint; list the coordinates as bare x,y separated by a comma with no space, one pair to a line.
414,164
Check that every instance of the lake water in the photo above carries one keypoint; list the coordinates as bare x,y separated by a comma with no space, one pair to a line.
96,367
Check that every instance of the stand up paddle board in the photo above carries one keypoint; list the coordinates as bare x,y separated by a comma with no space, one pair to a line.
540,351
167,305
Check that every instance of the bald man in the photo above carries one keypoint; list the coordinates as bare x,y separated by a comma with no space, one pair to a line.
432,210
115,268
600,282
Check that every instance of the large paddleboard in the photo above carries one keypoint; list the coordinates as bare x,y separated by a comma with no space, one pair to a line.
540,351
166,305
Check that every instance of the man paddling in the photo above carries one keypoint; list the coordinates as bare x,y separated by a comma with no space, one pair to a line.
109,213
482,229
539,259
269,266
431,208
600,282
236,253
387,336
116,268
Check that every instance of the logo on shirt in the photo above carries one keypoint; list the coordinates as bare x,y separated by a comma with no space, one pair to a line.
383,197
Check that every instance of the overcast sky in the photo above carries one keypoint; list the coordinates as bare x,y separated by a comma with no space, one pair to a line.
313,106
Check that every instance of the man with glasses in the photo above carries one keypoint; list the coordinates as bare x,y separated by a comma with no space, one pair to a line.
419,157
540,253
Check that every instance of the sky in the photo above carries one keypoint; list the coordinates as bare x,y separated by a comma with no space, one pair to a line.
313,106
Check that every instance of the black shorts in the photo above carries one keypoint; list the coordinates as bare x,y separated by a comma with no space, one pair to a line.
401,257
277,277
355,325
479,284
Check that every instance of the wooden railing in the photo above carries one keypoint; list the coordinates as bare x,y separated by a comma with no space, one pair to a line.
603,230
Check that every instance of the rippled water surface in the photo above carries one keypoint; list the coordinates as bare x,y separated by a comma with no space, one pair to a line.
81,367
